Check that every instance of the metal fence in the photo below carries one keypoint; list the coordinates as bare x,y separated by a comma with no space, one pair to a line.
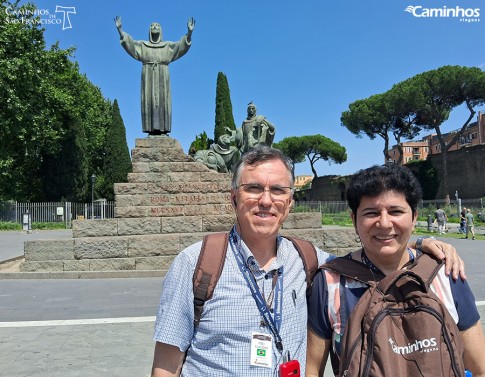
58,212
453,208
425,207
322,207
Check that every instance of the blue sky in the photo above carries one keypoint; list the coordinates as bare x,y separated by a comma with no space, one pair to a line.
301,62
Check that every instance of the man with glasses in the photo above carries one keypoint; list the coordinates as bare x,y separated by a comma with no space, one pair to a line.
234,336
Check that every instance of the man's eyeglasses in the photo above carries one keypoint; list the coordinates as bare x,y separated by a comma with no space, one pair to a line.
256,191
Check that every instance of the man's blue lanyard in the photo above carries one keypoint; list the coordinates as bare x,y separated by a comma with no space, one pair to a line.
274,324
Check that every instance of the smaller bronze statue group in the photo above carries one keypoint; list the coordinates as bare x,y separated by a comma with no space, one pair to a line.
223,155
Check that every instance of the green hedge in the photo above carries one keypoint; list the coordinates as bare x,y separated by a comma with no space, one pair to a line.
9,225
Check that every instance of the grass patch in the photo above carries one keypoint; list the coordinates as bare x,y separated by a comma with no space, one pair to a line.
9,225
337,219
423,232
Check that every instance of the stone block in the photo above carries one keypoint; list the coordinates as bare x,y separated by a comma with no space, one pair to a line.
195,167
76,265
181,224
219,209
112,264
158,154
147,225
218,198
98,248
339,239
213,176
154,245
140,167
303,220
43,250
166,167
42,266
186,187
194,210
188,199
167,211
220,223
146,177
94,228
131,211
189,239
158,199
129,200
159,142
154,263
130,188
315,236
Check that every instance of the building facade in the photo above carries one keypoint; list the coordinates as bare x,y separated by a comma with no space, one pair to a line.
473,135
302,180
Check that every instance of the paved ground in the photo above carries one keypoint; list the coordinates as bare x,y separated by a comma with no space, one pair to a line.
103,327
12,243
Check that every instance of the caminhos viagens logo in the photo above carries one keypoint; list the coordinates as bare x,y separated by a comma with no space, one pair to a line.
463,14
425,345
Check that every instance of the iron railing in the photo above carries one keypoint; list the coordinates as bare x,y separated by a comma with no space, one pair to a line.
58,212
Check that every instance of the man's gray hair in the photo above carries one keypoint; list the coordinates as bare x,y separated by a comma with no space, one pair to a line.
257,156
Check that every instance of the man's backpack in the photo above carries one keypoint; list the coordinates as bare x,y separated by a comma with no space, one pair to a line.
399,327
211,262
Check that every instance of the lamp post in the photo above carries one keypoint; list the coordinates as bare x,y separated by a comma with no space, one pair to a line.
93,179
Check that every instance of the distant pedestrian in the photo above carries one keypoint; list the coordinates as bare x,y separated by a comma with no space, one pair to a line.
441,218
462,228
469,224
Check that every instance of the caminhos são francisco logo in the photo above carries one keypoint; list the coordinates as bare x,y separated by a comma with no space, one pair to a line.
460,13
38,16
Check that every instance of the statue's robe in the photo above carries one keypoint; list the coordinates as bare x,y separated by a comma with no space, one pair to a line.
156,99
254,132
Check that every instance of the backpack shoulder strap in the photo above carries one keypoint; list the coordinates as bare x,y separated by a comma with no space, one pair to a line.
208,270
308,255
423,271
353,269
427,267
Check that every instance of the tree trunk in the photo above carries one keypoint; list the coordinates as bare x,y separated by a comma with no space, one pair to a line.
444,166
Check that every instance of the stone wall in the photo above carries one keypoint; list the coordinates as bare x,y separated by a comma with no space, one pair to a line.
327,188
466,172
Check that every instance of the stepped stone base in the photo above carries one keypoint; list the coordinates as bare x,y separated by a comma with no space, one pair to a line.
153,251
169,202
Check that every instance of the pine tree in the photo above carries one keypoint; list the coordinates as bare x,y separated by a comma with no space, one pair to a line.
224,116
65,175
117,162
201,142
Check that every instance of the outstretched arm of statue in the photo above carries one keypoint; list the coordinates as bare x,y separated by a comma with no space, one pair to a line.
118,25
190,28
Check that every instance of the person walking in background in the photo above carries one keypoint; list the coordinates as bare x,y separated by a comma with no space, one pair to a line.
462,228
441,218
469,224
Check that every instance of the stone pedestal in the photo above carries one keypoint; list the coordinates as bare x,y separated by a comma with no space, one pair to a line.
169,202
